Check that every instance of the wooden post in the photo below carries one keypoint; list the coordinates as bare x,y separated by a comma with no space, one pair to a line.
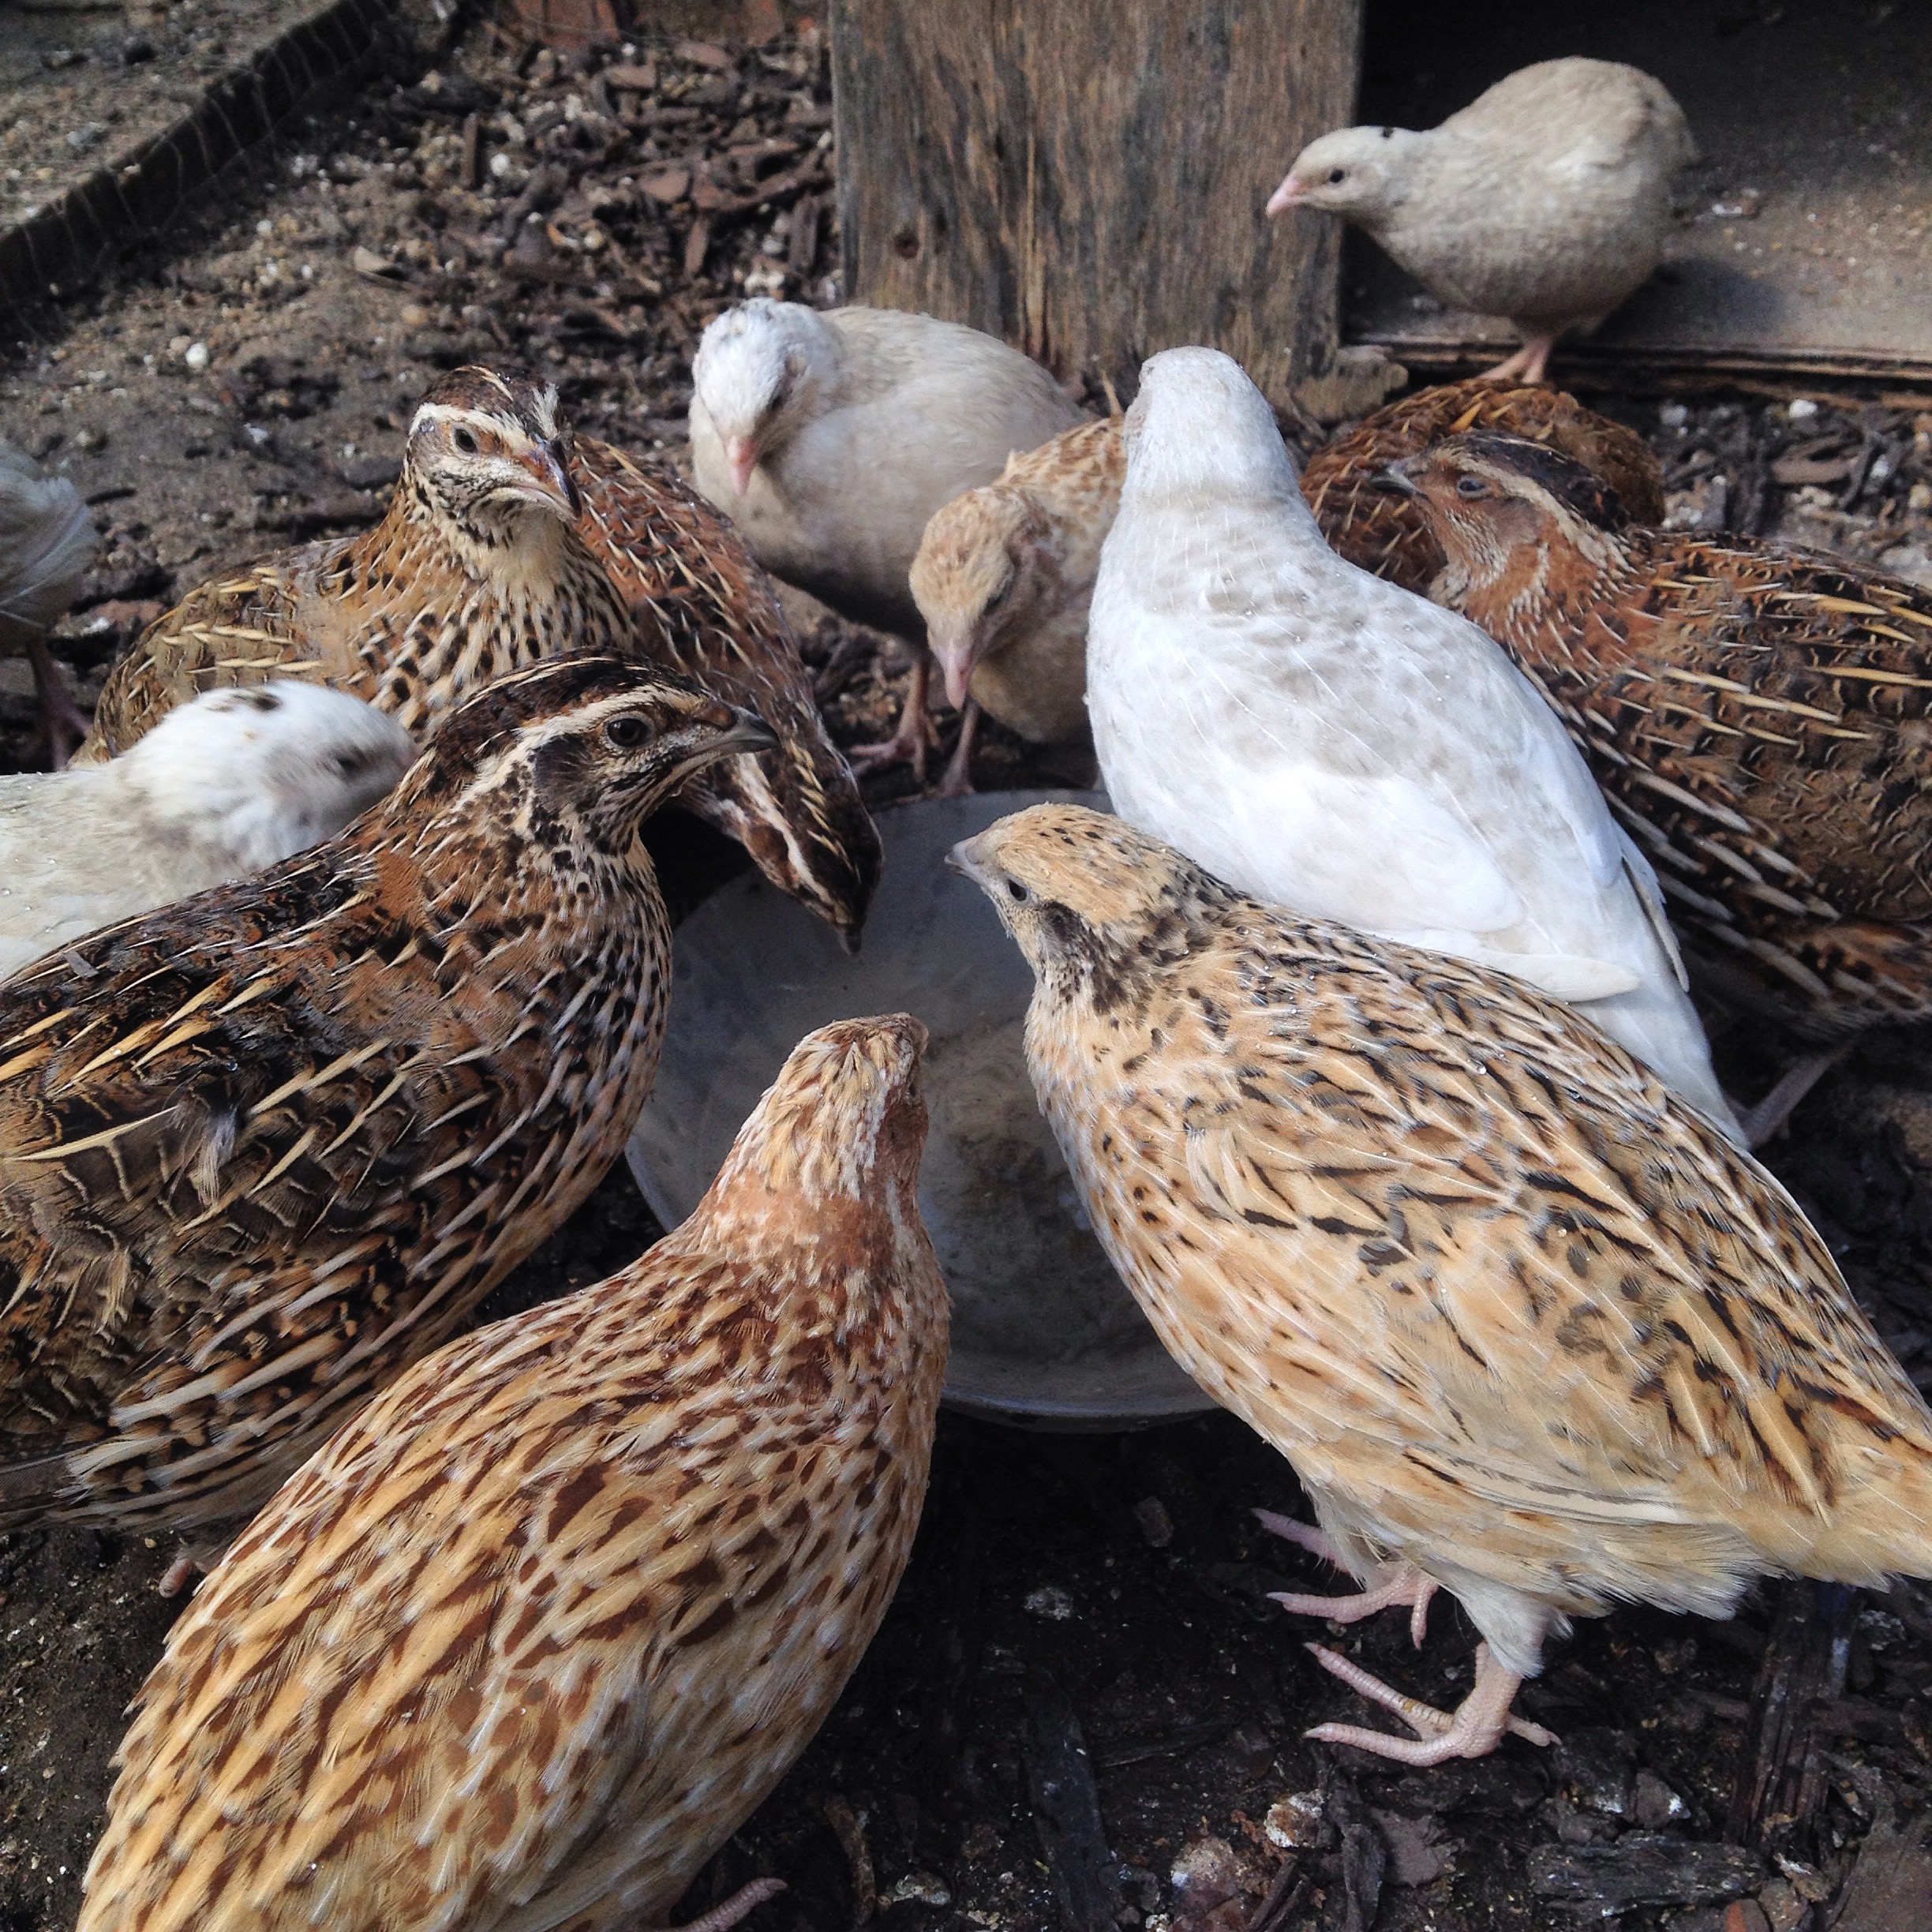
1086,178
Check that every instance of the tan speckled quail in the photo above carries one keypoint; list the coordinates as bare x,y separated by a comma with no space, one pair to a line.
1760,716
525,1643
1381,531
490,558
262,1149
1530,1329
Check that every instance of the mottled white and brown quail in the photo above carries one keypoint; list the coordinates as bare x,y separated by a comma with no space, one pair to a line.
502,545
524,1644
262,1149
1756,714
1530,1329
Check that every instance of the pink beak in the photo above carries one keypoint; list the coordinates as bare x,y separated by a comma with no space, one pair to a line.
956,658
741,458
1287,196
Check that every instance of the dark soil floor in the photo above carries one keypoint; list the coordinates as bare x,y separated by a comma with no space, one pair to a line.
1083,1709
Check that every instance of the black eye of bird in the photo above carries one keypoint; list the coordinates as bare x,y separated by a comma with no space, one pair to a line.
1471,486
1017,893
465,441
625,734
1336,174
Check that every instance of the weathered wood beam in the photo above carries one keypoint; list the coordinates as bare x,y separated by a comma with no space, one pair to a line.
1086,178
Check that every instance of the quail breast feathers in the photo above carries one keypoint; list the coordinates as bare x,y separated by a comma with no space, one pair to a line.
260,1149
1520,1318
526,1642
504,544
1758,715
1546,200
1336,744
223,787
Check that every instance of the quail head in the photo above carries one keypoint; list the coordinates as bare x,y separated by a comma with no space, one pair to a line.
525,1643
262,1149
1332,742
714,612
1382,530
46,543
501,546
1530,1329
1756,713
1547,200
230,784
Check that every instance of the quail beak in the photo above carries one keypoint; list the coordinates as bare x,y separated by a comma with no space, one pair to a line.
965,859
1291,193
551,487
1396,480
747,734
741,458
957,657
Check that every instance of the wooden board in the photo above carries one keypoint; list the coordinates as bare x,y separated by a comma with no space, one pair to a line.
1086,178
1805,245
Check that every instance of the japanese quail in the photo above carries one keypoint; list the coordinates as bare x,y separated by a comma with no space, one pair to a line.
46,543
1756,714
1529,1328
1335,744
261,1150
525,1643
1003,579
1546,200
225,786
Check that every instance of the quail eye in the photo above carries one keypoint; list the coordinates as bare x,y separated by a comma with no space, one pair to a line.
1018,894
465,441
625,733
1336,174
1471,486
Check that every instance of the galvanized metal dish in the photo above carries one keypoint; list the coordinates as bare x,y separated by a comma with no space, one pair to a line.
1044,1334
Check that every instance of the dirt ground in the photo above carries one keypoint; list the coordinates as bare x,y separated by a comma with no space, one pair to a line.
1083,1709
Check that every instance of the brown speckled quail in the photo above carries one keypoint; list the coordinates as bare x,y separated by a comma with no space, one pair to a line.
1529,1327
526,1641
1760,716
262,1149
500,546
715,614
1381,532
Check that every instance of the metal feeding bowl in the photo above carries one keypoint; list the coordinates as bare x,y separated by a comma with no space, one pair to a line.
1044,1334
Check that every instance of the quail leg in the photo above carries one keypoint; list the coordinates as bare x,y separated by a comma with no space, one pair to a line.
957,783
63,724
1763,1120
745,1899
1474,1730
1393,1584
1527,366
908,744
